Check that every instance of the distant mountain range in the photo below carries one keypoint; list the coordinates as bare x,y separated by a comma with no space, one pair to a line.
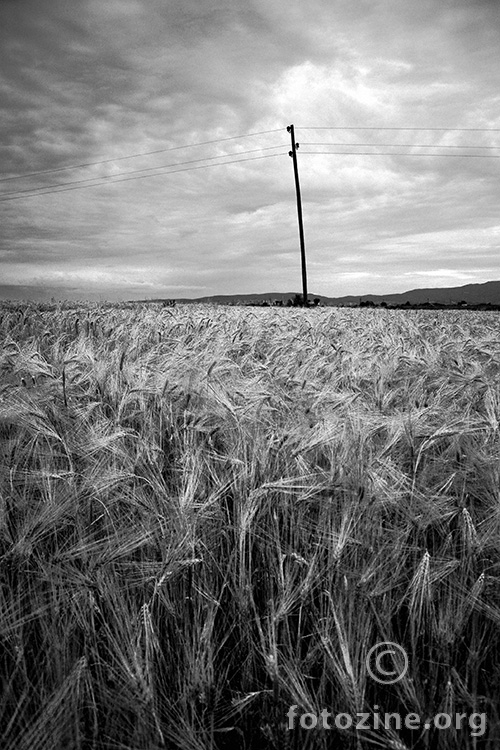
472,294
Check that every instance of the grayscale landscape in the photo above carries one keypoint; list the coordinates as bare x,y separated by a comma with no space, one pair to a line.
249,375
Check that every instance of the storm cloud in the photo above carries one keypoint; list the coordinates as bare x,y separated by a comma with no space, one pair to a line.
407,195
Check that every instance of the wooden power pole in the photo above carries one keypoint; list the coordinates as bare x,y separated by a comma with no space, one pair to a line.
293,154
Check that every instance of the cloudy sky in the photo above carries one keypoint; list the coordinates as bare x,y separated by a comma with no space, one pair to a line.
148,102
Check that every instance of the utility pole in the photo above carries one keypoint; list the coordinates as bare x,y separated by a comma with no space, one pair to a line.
293,154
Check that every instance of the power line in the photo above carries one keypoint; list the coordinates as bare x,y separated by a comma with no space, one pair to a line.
444,130
394,153
137,171
390,145
141,177
236,137
133,156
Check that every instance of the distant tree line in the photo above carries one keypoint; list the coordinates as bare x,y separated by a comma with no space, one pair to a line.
431,305
296,301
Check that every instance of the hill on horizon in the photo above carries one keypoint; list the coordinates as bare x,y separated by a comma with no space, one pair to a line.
473,294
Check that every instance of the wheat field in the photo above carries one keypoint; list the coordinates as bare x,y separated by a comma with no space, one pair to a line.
209,514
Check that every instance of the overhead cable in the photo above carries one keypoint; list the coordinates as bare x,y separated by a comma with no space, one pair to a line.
140,177
134,156
137,171
377,127
390,145
402,153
